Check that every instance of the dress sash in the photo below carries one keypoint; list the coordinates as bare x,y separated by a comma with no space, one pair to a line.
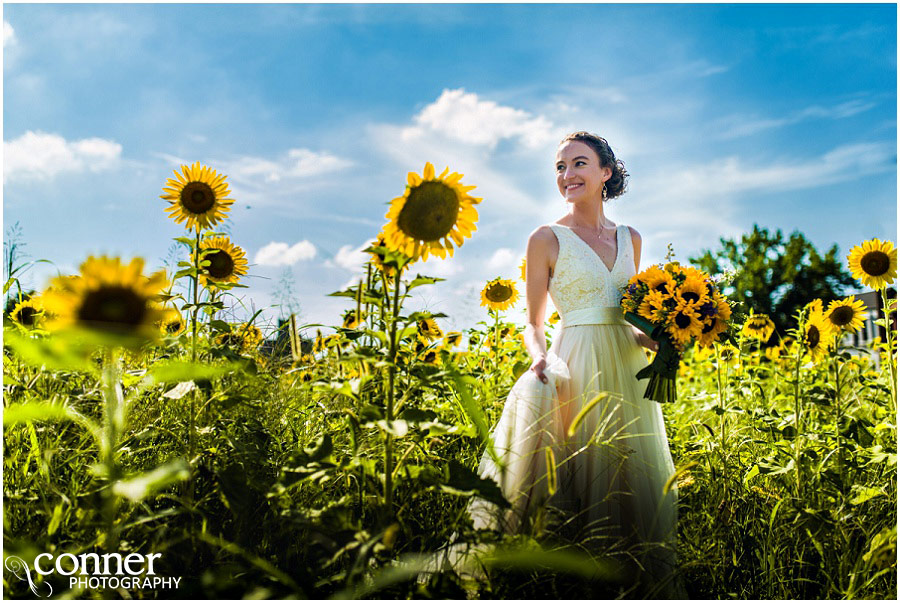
598,315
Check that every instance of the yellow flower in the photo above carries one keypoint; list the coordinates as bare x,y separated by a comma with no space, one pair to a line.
816,333
522,268
227,262
713,326
429,329
431,356
28,313
846,315
874,263
659,280
758,326
197,195
452,338
653,307
306,376
109,297
693,290
351,320
499,294
431,212
377,259
554,318
685,323
172,323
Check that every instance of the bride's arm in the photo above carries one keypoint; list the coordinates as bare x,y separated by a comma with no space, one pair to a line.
640,336
542,248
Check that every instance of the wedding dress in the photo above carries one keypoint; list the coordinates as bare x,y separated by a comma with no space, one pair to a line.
602,463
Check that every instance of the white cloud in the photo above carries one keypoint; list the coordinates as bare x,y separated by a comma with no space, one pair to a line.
294,164
502,258
42,156
351,258
467,118
282,254
734,126
9,35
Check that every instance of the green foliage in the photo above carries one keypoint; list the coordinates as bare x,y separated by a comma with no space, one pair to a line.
775,276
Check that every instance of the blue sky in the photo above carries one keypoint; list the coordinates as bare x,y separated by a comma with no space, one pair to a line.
725,116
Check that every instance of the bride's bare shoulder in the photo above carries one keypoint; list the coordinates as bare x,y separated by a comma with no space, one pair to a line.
542,236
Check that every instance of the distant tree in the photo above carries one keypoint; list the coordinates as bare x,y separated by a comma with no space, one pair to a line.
776,277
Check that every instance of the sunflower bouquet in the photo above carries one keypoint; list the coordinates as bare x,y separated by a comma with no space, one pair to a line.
673,305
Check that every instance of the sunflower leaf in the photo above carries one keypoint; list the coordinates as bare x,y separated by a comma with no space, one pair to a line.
423,280
186,240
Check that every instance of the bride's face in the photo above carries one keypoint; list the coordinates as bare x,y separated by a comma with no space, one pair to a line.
578,172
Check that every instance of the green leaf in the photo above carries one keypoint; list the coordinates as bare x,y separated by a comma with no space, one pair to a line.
141,486
423,280
862,494
51,353
464,481
169,371
35,411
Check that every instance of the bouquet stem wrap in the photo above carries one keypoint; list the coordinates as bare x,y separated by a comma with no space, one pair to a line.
664,368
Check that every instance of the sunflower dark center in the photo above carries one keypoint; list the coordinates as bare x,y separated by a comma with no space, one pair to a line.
875,263
498,293
26,316
758,324
662,287
683,321
709,327
221,264
841,316
197,197
430,211
690,296
113,308
812,336
173,326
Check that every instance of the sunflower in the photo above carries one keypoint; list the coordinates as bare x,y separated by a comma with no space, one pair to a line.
685,323
653,307
693,290
499,294
554,318
452,338
109,297
846,315
758,326
197,195
713,326
429,329
28,313
378,259
522,268
431,210
351,320
305,377
246,337
874,263
431,356
817,335
659,280
505,331
227,262
172,323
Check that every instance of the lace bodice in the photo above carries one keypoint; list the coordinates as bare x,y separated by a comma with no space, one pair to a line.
582,283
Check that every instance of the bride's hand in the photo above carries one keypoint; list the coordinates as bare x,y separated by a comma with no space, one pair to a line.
538,367
644,340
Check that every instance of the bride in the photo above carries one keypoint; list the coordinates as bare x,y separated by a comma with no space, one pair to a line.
576,439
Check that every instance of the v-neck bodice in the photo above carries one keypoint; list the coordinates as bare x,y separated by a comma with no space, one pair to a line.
583,288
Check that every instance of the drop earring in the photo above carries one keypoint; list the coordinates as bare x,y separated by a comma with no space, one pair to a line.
604,191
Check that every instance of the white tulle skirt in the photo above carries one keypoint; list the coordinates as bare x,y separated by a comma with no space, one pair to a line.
589,446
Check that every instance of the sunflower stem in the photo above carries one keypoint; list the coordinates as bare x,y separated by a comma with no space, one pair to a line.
892,365
193,395
722,415
113,409
798,358
837,411
389,410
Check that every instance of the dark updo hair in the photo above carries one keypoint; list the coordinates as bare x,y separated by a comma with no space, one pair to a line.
615,186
